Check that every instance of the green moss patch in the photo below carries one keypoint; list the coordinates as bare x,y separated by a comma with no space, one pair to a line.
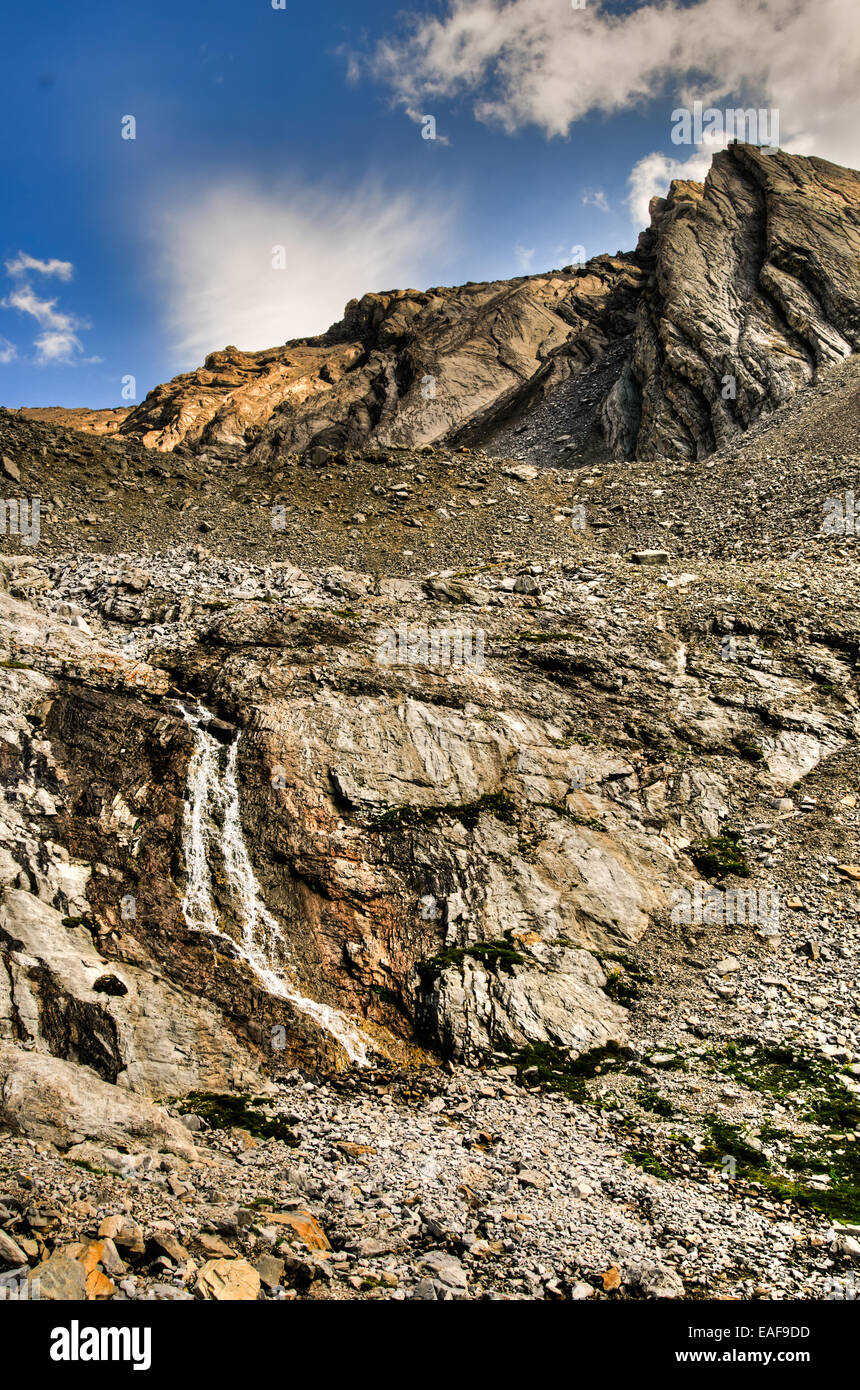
497,804
719,855
496,955
555,1069
624,978
749,749
785,1072
588,822
727,1141
811,1085
649,1163
236,1111
620,989
651,1100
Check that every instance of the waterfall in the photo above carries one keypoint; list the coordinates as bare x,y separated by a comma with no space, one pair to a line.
213,825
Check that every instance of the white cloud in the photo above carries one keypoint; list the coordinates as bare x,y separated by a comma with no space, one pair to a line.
595,197
652,175
216,260
58,344
64,270
58,347
8,352
540,62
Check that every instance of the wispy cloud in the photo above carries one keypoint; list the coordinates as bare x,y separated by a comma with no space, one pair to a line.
64,270
226,280
595,197
58,343
540,62
8,352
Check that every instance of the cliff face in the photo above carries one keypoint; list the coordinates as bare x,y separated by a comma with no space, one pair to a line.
753,287
547,858
454,853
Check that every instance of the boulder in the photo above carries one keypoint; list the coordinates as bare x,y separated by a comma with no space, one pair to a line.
51,1100
59,1279
228,1281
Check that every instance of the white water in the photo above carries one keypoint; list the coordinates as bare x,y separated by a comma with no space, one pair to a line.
212,823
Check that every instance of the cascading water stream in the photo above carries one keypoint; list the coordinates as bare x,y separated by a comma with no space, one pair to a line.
212,823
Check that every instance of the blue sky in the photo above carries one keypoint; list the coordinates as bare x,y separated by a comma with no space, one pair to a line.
258,127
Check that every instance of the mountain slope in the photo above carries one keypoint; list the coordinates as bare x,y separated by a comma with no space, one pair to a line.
401,368
740,292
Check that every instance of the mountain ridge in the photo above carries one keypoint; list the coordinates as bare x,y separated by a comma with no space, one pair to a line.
741,290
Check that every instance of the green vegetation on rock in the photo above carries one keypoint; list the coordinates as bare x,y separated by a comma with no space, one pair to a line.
719,855
496,955
237,1111
497,804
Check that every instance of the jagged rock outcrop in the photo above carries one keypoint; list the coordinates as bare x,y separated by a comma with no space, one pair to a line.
754,287
472,1007
402,367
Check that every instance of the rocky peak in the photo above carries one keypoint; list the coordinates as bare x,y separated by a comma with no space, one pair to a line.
753,288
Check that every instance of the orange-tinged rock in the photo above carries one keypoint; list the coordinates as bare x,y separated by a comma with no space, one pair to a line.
91,1255
99,1285
214,1245
612,1279
305,1226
